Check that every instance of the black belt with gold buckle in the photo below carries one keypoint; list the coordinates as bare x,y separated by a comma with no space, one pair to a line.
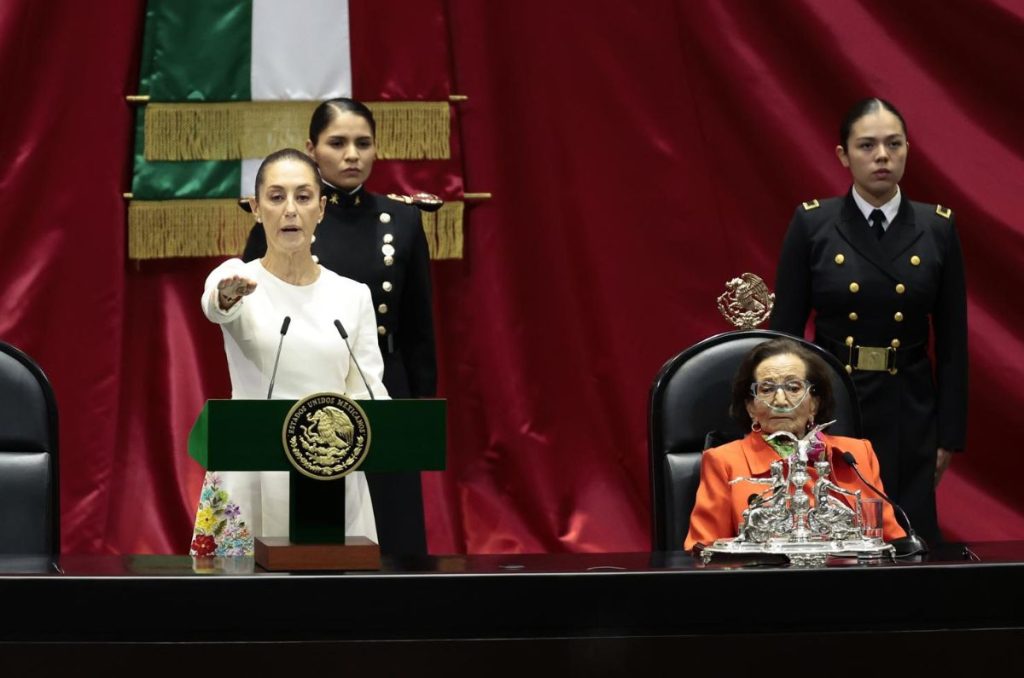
872,358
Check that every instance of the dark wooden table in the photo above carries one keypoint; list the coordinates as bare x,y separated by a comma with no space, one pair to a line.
589,613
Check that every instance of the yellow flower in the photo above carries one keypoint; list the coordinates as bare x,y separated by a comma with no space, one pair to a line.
205,520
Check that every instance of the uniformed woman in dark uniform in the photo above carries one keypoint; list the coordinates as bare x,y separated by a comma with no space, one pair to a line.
880,271
380,242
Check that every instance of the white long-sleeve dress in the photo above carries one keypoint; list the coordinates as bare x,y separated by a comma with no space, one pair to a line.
237,506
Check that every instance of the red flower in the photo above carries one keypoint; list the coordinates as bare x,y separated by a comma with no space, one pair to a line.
204,545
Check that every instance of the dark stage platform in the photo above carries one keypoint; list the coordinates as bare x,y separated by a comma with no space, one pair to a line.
581,612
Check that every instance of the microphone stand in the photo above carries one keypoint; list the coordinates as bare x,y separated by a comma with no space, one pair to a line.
277,358
344,337
910,545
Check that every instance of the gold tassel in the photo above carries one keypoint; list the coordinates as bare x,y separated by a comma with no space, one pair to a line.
444,231
406,130
158,229
412,130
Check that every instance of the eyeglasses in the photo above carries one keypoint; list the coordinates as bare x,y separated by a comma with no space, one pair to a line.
794,390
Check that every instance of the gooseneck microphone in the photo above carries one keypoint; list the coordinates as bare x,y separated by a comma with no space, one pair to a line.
909,545
277,358
344,336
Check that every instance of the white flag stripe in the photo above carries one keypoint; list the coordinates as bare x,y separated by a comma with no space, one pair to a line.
249,168
300,50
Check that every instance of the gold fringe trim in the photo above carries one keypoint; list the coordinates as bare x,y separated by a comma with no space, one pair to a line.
444,231
412,130
160,229
406,130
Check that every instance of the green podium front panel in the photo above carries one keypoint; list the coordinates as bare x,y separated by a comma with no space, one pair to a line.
245,435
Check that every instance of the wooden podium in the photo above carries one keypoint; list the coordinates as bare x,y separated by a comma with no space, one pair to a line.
246,435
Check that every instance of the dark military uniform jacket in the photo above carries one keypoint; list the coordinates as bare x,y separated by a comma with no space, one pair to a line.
380,242
886,295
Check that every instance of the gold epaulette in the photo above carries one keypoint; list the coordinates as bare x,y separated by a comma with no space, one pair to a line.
425,201
943,212
812,205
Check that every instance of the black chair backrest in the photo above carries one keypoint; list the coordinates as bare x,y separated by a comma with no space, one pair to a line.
689,411
29,478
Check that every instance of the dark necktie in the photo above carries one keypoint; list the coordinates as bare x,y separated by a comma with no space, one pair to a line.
877,218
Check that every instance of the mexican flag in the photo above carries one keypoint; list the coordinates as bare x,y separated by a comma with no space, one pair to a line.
225,82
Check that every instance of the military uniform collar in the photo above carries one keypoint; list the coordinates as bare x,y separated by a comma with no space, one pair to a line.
889,209
339,197
882,253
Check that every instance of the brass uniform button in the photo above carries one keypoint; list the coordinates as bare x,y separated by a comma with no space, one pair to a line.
387,286
383,308
312,239
840,259
389,260
388,250
381,330
915,260
388,238
854,287
898,317
900,288
895,343
853,315
849,341
385,218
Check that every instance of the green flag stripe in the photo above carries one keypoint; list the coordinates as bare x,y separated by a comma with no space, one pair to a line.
146,60
212,64
162,180
179,64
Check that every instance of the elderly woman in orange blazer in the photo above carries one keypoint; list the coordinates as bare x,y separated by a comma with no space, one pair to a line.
780,386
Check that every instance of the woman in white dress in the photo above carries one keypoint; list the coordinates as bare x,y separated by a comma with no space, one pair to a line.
250,301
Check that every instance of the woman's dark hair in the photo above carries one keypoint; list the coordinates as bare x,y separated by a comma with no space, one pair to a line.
326,112
818,373
862,108
286,154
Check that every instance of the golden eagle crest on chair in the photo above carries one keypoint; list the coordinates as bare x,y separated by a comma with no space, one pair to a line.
746,302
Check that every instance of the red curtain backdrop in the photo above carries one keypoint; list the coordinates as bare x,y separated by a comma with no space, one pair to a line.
639,156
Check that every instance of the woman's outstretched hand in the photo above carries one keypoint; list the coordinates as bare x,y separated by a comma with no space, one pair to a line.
233,288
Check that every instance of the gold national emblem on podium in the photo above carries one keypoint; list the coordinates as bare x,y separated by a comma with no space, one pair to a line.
746,302
326,436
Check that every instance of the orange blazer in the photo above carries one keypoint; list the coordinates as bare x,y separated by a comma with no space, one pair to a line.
720,506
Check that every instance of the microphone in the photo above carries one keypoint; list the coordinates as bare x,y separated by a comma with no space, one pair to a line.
344,336
909,545
277,359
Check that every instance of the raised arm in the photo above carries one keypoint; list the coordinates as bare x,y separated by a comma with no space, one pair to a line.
224,290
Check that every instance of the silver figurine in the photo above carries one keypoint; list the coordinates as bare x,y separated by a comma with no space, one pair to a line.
783,519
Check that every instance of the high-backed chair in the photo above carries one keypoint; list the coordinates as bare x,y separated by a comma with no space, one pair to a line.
29,482
689,412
